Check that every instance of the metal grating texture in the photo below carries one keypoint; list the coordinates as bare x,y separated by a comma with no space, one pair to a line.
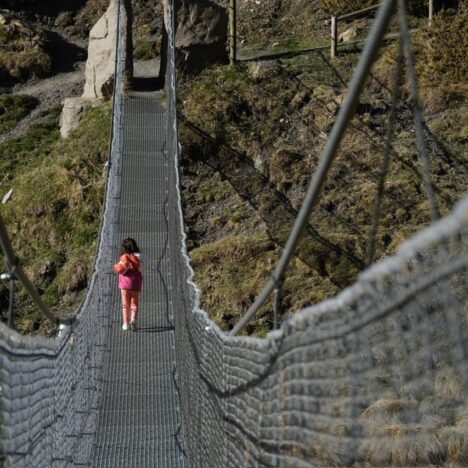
375,377
139,419
50,388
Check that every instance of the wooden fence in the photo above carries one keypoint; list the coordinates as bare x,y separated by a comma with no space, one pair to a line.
358,14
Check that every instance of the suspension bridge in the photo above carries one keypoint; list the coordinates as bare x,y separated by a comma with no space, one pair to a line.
376,376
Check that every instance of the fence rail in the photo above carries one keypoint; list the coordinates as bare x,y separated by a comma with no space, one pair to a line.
358,14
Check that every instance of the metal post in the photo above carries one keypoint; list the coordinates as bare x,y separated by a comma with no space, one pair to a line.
13,265
277,305
334,36
11,322
232,32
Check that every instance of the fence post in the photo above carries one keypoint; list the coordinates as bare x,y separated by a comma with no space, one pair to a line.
431,10
232,32
334,30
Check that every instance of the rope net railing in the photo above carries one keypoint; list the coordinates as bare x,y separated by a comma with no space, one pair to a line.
376,376
50,388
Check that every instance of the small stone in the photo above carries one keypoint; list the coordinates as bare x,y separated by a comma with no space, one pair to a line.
7,196
347,35
260,70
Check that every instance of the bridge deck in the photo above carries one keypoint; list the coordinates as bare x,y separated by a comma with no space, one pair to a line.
139,416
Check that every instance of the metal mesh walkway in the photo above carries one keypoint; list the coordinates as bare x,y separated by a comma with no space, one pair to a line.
139,418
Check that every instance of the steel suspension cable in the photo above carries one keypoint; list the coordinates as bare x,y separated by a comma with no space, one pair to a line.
15,267
328,155
417,113
386,157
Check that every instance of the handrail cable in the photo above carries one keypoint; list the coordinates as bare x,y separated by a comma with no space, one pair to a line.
357,13
15,270
345,114
417,113
15,266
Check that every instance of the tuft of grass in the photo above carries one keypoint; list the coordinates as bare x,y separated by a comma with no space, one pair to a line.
440,52
13,108
146,49
53,216
22,52
420,430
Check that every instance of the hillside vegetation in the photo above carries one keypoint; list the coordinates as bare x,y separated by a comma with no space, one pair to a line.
251,139
54,213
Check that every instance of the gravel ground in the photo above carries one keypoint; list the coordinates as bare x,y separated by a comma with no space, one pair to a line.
52,91
49,92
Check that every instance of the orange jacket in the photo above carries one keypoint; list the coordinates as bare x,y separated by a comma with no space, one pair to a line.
127,262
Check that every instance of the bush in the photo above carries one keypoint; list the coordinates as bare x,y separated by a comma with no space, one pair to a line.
441,60
22,52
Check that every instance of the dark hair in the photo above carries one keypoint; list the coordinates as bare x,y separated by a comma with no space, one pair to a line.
129,245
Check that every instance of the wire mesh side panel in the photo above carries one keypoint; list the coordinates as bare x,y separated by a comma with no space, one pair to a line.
50,388
377,376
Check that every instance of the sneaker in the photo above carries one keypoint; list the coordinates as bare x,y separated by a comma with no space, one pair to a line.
125,326
133,325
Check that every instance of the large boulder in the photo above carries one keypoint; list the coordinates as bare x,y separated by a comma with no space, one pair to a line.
72,112
100,66
101,55
201,34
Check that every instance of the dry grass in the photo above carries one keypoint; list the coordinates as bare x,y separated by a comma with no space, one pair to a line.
455,442
340,7
234,269
412,433
22,52
279,120
441,58
448,383
385,414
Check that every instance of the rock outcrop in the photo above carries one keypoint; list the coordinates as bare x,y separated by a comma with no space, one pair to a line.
72,112
100,66
101,55
201,34
348,35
